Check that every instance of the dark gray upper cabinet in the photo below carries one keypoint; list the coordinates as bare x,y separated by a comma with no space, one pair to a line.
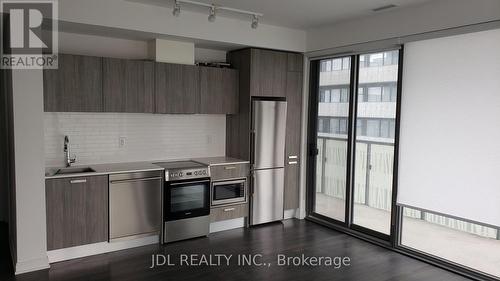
77,211
176,88
128,86
295,62
268,73
218,90
76,86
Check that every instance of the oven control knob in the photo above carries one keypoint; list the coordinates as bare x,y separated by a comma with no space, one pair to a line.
180,174
204,172
195,173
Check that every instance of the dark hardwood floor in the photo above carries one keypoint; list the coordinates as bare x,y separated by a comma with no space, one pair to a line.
292,238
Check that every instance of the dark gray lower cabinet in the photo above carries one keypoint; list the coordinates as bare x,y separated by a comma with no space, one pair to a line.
128,86
77,211
292,141
76,86
176,88
218,90
292,184
228,212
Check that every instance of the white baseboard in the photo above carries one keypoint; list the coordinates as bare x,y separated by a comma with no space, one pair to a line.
99,248
106,247
31,265
227,225
290,214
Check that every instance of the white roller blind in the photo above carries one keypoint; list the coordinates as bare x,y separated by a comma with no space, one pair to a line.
449,158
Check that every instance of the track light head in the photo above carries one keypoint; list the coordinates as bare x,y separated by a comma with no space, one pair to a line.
211,16
177,9
255,21
212,11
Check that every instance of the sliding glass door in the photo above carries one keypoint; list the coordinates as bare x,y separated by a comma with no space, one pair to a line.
332,137
374,140
354,118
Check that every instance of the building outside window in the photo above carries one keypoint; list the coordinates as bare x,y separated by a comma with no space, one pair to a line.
344,95
379,59
335,64
381,92
376,60
346,63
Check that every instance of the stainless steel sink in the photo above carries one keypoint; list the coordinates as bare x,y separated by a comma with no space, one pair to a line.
76,170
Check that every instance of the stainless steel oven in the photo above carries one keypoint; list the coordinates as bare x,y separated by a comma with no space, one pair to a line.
186,200
227,192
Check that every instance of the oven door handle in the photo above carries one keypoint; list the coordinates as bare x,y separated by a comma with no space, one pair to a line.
188,182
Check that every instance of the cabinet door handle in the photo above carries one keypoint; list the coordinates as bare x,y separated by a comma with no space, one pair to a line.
293,157
293,163
230,168
135,180
229,209
78,181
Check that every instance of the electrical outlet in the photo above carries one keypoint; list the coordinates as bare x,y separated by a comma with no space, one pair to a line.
121,141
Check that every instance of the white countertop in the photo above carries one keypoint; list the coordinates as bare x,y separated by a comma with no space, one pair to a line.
220,160
105,169
131,167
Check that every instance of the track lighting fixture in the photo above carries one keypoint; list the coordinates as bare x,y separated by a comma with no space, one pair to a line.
255,21
213,10
211,16
177,9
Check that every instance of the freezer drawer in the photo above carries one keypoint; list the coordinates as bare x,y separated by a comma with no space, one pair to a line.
268,134
134,205
267,196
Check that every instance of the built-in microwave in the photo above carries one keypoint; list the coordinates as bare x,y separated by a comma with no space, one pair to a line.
229,192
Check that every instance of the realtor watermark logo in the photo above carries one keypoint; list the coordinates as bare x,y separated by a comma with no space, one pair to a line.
29,34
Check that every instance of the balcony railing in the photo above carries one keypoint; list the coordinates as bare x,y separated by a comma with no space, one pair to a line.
373,180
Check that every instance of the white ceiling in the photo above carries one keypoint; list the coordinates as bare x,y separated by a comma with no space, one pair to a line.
300,14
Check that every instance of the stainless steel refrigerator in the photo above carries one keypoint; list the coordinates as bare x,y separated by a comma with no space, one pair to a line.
268,160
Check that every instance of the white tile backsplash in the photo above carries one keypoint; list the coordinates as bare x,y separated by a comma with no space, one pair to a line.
95,137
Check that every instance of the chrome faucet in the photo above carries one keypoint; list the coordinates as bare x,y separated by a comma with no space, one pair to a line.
69,160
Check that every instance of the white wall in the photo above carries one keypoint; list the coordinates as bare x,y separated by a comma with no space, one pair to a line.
94,137
432,16
27,89
91,45
171,51
4,147
159,20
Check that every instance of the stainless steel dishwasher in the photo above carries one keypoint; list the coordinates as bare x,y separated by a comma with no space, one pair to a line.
135,204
